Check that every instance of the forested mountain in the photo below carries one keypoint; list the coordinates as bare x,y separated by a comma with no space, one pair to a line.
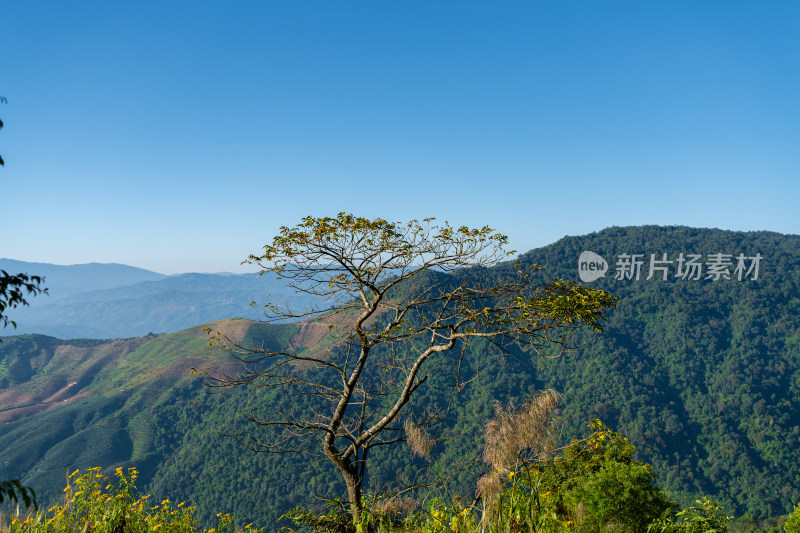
700,370
107,301
702,375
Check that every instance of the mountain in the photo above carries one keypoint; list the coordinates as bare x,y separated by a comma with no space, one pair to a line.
700,370
117,301
702,374
65,280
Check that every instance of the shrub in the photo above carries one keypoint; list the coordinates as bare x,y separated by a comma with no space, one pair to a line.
705,517
93,502
596,484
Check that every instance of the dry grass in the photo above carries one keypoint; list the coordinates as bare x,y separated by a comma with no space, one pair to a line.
417,439
529,430
394,506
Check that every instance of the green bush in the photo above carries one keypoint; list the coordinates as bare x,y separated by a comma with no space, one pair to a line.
705,517
596,484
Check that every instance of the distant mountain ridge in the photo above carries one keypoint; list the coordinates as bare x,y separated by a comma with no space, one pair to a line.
106,301
65,280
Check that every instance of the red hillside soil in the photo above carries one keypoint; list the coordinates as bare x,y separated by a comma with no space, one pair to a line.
62,376
312,333
235,330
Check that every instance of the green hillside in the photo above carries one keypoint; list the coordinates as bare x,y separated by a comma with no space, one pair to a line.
703,376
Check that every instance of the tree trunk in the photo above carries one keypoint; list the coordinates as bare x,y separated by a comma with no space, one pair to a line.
353,482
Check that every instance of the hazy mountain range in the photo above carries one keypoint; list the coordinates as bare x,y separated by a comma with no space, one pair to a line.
105,301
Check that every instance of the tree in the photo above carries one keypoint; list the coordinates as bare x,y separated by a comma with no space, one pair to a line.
396,297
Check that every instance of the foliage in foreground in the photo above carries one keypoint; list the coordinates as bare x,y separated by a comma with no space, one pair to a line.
594,486
14,491
93,502
520,509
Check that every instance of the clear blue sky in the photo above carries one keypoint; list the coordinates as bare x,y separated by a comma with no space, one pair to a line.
179,136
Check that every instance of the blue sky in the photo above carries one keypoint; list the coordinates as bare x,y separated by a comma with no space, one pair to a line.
179,136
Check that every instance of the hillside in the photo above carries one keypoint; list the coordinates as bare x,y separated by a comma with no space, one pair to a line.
703,376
